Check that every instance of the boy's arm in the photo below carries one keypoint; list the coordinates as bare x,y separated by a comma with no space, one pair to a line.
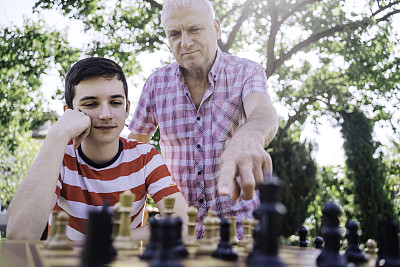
35,197
180,210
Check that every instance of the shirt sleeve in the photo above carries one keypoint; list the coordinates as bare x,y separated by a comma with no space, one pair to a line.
256,82
143,120
159,183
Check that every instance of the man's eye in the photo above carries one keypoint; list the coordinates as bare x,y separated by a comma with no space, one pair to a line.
174,34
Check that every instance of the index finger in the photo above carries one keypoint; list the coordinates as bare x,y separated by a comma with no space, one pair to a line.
226,175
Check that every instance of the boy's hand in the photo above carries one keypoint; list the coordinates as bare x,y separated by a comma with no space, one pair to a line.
76,126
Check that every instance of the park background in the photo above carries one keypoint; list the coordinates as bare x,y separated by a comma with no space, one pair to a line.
333,74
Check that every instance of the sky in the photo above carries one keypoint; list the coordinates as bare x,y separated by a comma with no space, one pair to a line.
329,142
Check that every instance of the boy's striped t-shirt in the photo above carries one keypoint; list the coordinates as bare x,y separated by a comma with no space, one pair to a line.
84,185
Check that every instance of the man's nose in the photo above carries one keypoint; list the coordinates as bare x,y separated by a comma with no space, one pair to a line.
186,41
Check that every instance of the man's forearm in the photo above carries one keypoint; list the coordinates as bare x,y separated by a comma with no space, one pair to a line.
262,124
34,199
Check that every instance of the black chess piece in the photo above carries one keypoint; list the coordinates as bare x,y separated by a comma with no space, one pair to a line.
265,249
225,250
98,249
353,252
388,244
303,236
179,248
318,242
165,256
154,242
330,256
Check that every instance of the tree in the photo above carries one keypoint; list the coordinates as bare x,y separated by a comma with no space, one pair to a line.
371,200
26,54
297,172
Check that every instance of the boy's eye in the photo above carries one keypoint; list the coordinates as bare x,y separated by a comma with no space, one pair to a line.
116,103
90,104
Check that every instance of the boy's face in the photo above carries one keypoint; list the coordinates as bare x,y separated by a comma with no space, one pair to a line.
104,101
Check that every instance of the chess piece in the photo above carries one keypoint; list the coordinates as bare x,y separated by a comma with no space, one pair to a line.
154,242
98,249
303,236
60,240
353,251
191,239
265,249
371,247
216,224
388,244
165,255
234,239
53,228
330,229
246,238
250,244
207,244
124,241
225,250
169,204
318,242
116,219
178,246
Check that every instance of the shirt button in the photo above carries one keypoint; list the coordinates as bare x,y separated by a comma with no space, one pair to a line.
198,118
201,201
198,146
199,173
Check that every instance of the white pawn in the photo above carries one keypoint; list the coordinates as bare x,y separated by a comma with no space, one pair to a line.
207,244
191,239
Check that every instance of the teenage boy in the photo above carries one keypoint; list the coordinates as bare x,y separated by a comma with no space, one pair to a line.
84,162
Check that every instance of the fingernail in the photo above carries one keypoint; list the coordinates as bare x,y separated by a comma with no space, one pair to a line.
224,190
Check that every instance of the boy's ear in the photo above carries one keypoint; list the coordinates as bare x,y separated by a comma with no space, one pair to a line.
128,106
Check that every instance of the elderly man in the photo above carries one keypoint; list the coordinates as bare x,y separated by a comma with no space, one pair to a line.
214,113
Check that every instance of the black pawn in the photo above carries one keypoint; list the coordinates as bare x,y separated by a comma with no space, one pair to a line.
265,248
388,244
225,250
98,249
179,248
318,242
330,256
353,251
154,242
165,255
303,236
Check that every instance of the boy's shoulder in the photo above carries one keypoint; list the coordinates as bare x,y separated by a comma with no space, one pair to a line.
133,144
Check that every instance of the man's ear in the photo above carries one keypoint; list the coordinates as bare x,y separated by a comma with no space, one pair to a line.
65,107
217,26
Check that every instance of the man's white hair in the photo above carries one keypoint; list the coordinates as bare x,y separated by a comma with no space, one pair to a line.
182,3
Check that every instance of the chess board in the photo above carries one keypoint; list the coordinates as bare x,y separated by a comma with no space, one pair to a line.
34,254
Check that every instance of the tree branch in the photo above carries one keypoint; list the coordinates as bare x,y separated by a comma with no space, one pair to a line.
275,25
291,120
229,12
154,4
245,14
388,15
384,8
313,38
296,8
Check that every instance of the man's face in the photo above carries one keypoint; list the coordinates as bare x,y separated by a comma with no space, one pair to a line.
104,101
192,35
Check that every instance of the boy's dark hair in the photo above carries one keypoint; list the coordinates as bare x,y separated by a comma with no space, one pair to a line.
90,68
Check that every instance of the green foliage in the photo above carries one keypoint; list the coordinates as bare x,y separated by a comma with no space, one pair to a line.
371,200
333,185
25,55
13,166
297,171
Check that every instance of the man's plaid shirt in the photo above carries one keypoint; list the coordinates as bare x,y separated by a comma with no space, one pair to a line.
192,139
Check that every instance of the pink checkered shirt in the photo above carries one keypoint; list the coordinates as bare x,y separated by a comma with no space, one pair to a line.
192,139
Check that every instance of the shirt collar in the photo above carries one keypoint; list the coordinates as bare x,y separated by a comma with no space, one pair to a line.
212,75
